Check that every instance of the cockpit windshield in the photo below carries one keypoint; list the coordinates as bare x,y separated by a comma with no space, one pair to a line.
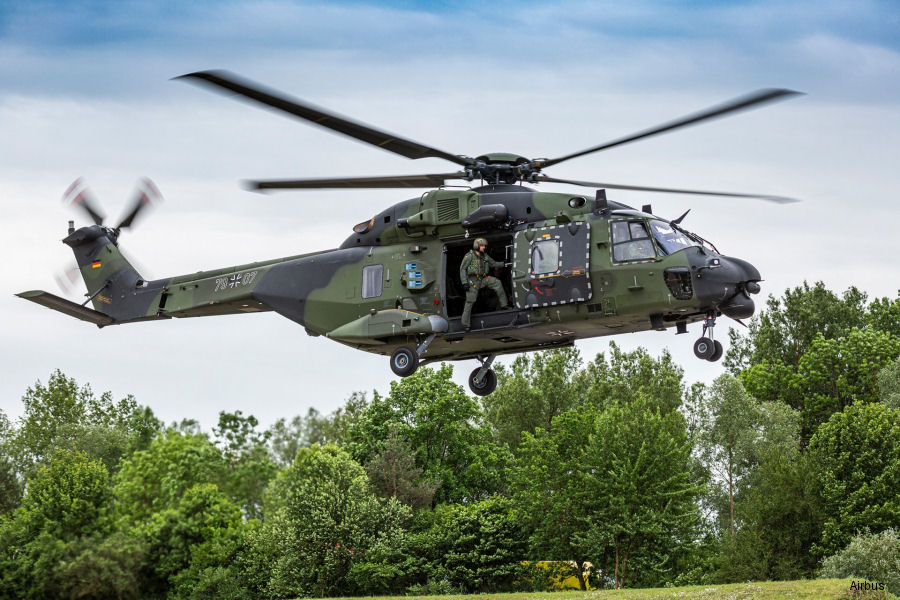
670,239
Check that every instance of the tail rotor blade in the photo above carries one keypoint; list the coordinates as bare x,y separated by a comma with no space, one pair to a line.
147,195
79,196
67,279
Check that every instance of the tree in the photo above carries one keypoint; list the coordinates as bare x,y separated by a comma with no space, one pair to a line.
835,373
153,480
644,502
248,464
889,385
174,536
627,376
62,415
322,519
538,388
11,487
58,544
394,474
783,332
477,547
728,434
445,429
549,487
857,458
289,436
612,486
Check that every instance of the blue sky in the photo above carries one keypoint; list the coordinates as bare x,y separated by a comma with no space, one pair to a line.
85,90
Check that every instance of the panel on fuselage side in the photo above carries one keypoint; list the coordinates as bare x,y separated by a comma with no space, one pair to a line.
552,265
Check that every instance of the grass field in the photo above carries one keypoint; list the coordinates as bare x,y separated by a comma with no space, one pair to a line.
815,589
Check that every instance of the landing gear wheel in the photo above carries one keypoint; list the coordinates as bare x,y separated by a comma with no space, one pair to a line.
404,361
718,351
488,382
704,348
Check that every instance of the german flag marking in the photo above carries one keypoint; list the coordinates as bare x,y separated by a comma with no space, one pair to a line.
95,264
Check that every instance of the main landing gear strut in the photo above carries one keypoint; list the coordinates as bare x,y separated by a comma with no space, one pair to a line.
708,348
483,380
405,359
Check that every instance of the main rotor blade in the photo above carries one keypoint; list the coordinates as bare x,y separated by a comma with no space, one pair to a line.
397,181
225,80
748,101
643,188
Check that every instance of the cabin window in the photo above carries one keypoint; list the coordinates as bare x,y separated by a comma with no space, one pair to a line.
545,257
631,241
372,281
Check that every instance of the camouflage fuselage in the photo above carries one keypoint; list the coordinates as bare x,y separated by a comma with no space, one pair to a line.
390,283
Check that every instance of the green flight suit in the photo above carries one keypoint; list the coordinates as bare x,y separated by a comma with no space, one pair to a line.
473,273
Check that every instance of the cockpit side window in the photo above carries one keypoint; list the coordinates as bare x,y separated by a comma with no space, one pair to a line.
631,241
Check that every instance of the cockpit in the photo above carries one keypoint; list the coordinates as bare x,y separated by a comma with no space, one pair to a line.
632,239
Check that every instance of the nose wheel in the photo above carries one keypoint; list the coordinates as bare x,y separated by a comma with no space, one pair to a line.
708,348
483,380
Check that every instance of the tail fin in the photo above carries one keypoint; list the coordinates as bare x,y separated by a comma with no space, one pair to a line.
109,277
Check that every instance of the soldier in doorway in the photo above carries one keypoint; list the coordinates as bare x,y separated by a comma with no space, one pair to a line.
473,273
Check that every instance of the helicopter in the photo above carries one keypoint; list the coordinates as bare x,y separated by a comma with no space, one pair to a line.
574,266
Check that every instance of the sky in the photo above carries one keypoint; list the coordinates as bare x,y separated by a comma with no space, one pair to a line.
86,90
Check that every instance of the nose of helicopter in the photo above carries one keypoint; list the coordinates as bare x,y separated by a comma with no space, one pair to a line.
725,283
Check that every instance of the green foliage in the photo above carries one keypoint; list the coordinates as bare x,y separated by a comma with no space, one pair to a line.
644,498
889,385
783,332
174,535
445,429
302,432
728,433
538,388
153,480
875,557
835,373
322,519
548,486
394,474
11,487
58,542
612,486
817,352
541,386
628,376
62,415
471,548
247,460
780,521
857,458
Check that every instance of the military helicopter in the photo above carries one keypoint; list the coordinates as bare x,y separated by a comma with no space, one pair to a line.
575,265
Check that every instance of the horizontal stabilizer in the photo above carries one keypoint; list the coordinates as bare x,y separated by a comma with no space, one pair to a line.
67,307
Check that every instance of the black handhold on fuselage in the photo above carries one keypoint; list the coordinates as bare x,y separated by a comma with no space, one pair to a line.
486,215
